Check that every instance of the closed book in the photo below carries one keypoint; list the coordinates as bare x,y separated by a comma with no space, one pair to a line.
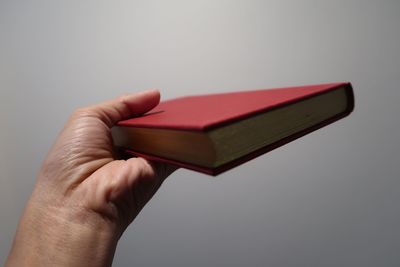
216,132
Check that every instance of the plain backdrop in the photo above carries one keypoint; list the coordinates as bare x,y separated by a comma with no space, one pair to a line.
331,198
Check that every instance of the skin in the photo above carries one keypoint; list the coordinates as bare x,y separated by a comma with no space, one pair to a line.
84,198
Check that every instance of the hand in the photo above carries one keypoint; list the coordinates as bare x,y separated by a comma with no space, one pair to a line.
84,199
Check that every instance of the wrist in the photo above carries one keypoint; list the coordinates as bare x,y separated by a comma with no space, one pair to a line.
61,236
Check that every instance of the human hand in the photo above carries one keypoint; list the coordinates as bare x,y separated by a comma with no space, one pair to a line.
84,199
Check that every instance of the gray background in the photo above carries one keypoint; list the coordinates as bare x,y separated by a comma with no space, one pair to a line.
329,199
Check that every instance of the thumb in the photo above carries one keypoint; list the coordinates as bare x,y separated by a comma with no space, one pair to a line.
124,107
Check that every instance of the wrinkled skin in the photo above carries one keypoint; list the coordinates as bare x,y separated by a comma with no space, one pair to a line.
84,199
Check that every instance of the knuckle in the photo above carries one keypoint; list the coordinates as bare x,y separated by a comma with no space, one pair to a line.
144,169
81,112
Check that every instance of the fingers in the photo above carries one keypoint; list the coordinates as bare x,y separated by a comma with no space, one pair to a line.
144,171
124,107
162,170
133,183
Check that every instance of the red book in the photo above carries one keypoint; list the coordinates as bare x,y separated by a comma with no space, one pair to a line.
216,132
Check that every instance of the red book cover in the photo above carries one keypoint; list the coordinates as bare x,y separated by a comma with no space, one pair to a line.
205,112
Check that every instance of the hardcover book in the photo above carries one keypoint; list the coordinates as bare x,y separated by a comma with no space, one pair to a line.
216,132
